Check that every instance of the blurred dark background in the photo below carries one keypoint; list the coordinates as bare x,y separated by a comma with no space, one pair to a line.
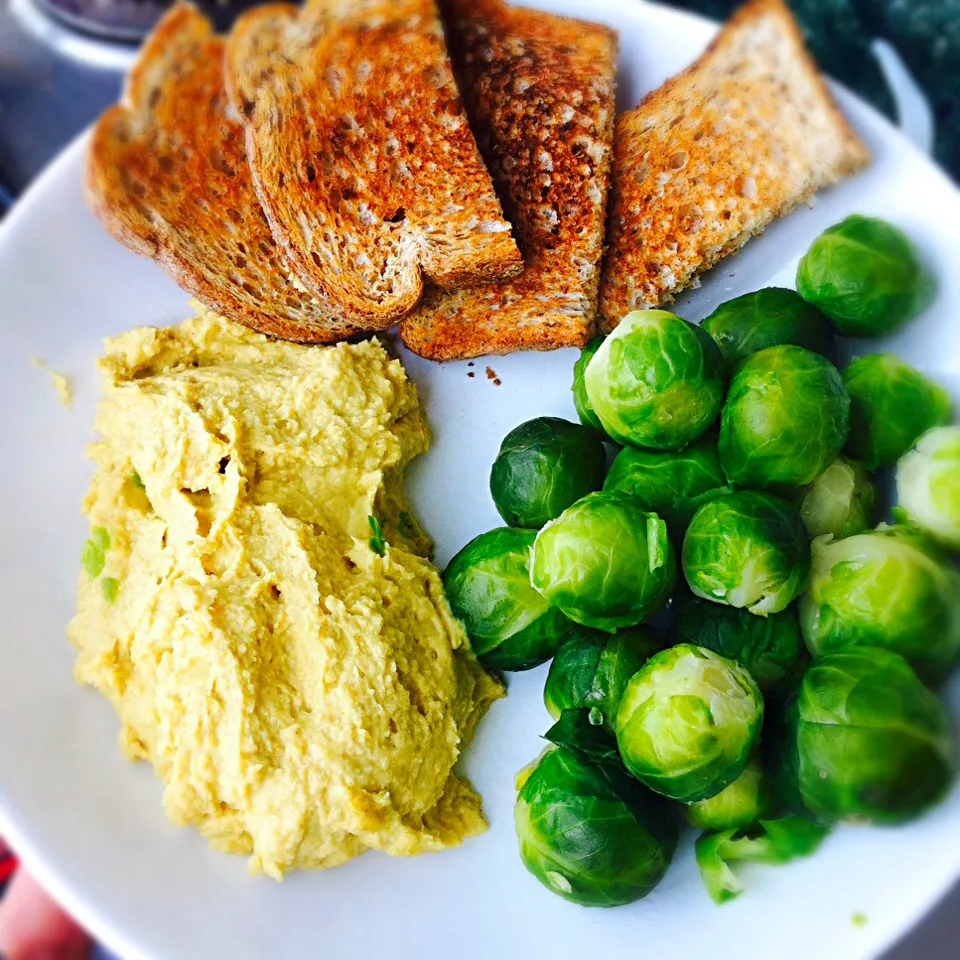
62,62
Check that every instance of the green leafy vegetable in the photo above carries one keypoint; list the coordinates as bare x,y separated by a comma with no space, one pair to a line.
928,486
840,502
94,555
672,484
510,625
891,406
592,668
786,418
657,381
377,544
544,466
581,401
864,274
769,841
747,549
605,562
768,318
687,722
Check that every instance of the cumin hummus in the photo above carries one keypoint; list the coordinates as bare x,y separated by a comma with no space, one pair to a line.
302,697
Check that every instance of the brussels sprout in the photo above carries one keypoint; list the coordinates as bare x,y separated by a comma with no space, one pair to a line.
769,841
861,739
928,485
581,401
747,549
891,405
544,466
745,801
887,588
864,274
510,625
688,721
657,381
605,562
673,484
589,832
785,420
591,669
768,318
840,501
769,648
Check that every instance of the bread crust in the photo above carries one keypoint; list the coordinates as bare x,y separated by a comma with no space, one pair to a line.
744,135
361,154
539,91
167,175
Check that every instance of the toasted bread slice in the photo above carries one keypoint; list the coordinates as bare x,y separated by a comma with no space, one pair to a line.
167,175
362,156
707,161
539,91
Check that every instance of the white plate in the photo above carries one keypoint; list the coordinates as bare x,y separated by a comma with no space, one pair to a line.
91,824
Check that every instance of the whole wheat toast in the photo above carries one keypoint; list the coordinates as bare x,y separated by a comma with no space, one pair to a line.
362,156
167,175
744,135
539,92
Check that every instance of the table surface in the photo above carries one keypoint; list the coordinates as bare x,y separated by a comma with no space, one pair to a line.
46,99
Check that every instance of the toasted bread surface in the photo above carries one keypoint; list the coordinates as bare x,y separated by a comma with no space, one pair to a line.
539,91
167,175
362,156
744,135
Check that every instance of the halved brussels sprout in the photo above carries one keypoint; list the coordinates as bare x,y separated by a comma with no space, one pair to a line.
770,648
745,801
589,832
581,401
544,466
747,549
840,501
864,274
688,721
768,318
891,405
928,485
592,668
673,484
888,588
861,740
786,418
657,381
510,625
768,841
605,562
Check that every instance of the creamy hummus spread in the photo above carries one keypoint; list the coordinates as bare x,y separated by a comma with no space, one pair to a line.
303,697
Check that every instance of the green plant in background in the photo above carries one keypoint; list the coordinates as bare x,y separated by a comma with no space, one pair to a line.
581,401
510,625
889,588
928,486
591,670
861,740
768,318
785,420
864,274
770,647
587,831
688,721
840,502
657,381
670,483
891,406
744,802
747,549
544,466
605,562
